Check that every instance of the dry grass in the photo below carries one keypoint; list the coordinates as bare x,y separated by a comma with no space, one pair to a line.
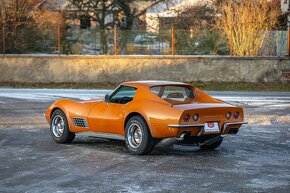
221,86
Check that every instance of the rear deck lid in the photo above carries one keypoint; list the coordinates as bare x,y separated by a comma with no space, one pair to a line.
195,106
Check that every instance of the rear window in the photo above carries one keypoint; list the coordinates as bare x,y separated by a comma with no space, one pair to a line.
174,94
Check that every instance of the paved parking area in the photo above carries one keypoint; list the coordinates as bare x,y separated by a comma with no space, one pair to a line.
255,160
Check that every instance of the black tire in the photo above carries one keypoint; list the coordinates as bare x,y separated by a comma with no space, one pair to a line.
211,146
146,142
66,136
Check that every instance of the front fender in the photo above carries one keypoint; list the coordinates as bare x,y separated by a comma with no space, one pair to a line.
59,104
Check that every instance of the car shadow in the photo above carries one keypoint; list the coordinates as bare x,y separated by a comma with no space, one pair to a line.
118,146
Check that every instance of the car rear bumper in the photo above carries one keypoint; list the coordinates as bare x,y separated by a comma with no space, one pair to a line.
227,128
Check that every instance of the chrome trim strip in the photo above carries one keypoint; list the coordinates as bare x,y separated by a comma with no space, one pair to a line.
101,135
200,132
185,125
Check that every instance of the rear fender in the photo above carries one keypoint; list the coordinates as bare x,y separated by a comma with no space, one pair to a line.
158,116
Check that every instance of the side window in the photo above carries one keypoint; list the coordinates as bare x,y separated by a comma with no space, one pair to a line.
155,90
123,95
173,93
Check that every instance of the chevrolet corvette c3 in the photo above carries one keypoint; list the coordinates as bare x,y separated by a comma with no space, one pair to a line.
145,113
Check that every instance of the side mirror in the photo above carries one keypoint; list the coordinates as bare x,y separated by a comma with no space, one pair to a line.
107,98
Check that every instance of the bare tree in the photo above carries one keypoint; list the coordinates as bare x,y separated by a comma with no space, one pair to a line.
193,25
247,23
104,12
16,16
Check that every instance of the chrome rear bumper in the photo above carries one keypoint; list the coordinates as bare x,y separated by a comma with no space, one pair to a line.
201,125
185,125
170,141
201,132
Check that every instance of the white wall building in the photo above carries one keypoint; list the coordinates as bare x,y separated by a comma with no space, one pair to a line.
167,9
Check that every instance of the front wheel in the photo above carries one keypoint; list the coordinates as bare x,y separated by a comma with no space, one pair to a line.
138,137
59,128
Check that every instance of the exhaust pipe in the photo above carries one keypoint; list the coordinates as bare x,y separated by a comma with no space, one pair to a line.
212,140
170,141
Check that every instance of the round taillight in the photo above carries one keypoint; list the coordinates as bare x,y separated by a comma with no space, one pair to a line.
228,115
186,117
236,115
195,117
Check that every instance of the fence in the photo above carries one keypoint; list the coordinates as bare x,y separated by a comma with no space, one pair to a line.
130,42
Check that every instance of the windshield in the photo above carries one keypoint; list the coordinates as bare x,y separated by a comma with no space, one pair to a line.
174,94
123,95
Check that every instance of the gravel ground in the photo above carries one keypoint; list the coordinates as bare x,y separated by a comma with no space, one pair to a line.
255,160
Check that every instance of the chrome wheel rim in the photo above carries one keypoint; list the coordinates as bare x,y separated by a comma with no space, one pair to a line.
57,126
134,135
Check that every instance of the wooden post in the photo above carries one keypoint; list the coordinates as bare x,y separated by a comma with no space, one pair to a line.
58,40
3,18
288,18
115,39
288,30
3,39
172,41
231,44
289,41
59,34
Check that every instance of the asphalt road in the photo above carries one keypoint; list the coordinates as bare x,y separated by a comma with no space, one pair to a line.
255,160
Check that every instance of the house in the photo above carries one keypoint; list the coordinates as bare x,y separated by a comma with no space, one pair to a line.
149,15
86,22
164,12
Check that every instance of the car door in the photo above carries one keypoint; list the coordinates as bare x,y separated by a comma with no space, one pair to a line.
108,116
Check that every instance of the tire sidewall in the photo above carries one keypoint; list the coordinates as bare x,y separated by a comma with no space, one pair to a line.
145,135
63,138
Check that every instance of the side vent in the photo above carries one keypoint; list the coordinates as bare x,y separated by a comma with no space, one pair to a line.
81,122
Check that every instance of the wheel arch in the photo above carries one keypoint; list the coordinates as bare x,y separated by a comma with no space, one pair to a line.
70,124
61,106
53,110
132,114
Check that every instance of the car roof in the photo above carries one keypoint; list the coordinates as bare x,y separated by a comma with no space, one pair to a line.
149,83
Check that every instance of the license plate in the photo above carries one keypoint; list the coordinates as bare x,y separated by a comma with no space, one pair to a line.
211,127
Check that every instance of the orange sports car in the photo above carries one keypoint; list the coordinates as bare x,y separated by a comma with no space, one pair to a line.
145,113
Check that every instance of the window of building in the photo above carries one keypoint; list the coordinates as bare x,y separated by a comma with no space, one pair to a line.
85,22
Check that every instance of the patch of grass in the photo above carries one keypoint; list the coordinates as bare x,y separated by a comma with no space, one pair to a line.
218,86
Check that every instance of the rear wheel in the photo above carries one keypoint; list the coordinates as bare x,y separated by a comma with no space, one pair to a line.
138,137
59,128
